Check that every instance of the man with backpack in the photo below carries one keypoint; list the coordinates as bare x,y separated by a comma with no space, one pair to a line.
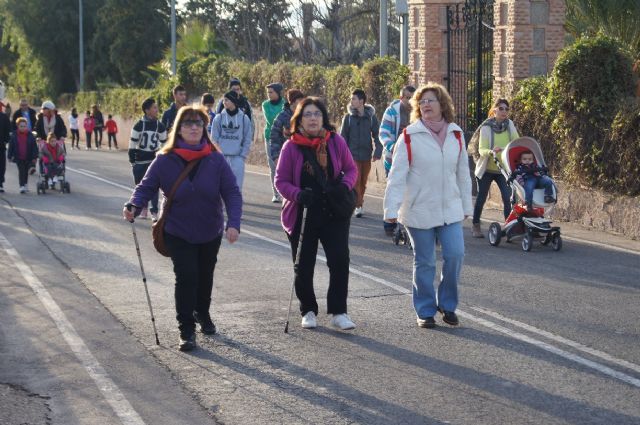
360,130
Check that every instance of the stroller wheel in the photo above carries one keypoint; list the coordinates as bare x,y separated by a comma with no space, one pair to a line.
527,242
556,242
495,234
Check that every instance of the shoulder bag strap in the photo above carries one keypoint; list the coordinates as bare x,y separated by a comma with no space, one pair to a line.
407,142
181,177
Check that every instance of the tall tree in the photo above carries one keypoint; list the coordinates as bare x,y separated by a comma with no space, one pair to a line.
130,35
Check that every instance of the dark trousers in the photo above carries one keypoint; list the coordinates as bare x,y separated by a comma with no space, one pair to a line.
75,138
3,165
334,236
193,265
484,184
23,171
112,136
139,170
97,132
88,133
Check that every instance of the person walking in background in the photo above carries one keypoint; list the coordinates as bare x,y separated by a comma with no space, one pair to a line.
23,150
429,192
395,119
313,157
208,102
233,132
148,136
49,121
5,132
73,126
195,223
112,131
280,130
25,112
495,134
179,100
98,128
360,130
88,125
271,108
243,102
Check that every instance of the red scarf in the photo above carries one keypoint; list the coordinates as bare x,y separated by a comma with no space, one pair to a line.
309,141
189,155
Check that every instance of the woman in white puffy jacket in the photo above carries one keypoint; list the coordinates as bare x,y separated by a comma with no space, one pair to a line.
429,192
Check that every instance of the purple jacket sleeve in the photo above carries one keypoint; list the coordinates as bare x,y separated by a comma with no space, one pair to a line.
284,177
149,185
348,166
230,194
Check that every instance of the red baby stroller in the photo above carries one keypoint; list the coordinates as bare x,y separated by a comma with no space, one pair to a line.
531,225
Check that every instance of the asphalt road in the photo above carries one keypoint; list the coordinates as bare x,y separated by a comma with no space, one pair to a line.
546,337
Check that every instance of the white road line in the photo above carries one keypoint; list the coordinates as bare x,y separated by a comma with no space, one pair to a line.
87,171
521,337
562,340
121,186
107,387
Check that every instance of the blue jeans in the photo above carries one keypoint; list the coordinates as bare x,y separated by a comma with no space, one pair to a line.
450,236
139,170
484,184
539,182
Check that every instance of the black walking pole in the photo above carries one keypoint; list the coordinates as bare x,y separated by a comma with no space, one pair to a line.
144,277
296,264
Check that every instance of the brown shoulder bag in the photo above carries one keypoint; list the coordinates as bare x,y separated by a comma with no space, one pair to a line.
157,229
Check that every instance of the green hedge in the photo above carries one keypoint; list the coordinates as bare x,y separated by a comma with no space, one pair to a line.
586,116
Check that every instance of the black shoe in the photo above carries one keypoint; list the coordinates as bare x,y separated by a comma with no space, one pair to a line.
549,199
187,342
449,317
428,323
206,324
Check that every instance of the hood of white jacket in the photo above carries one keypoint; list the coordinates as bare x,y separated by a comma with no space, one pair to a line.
369,110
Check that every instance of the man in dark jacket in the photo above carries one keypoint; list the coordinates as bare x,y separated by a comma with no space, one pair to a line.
50,121
280,128
243,105
179,100
27,113
360,129
5,129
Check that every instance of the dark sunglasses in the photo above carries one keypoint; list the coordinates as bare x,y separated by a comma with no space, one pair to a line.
192,123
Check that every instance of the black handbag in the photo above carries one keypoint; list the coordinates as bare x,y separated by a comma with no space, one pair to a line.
341,200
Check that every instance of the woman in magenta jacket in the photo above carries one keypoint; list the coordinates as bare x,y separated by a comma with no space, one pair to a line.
315,148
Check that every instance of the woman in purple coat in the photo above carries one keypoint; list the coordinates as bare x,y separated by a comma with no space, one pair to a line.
313,156
195,224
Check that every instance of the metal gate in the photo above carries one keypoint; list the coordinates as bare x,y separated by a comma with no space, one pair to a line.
470,60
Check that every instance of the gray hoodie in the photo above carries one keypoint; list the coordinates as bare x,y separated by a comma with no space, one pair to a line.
233,134
360,131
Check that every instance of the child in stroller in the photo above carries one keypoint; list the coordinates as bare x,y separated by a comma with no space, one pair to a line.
533,191
52,165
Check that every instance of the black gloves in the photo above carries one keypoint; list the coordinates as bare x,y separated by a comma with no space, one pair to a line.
306,198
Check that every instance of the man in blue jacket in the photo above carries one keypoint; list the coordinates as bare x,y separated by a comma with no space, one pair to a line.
179,100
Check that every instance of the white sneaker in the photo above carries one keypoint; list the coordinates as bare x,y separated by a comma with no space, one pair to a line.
358,212
23,189
144,213
154,217
342,322
309,320
276,198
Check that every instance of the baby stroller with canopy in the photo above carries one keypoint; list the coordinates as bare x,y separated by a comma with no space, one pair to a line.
530,224
54,172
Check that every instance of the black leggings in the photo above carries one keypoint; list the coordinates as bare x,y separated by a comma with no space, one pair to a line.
23,171
75,138
112,136
193,265
484,184
97,132
334,236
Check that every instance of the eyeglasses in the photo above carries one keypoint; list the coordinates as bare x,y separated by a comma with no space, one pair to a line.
423,102
192,123
315,114
503,108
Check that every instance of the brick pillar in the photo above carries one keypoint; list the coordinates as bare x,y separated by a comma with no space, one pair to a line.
528,36
427,40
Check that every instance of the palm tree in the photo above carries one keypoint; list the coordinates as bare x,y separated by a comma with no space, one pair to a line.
619,19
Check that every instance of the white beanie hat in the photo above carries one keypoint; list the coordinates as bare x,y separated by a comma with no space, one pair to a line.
48,105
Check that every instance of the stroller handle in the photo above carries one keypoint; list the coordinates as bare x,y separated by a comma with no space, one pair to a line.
499,165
